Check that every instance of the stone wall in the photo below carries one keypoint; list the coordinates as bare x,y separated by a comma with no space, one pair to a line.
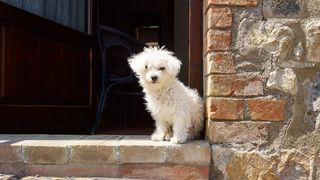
262,88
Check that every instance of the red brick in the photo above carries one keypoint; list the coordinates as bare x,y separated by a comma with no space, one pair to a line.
218,40
65,170
222,63
10,153
266,109
237,132
11,146
219,17
139,171
234,85
225,108
154,171
234,2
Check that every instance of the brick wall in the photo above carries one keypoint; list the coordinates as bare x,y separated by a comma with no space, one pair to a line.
237,107
262,88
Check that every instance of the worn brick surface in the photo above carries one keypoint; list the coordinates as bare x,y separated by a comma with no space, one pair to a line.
50,150
266,109
191,153
153,171
10,153
94,149
65,170
234,2
219,17
225,108
140,149
234,85
218,40
220,63
11,146
45,155
16,168
237,132
110,156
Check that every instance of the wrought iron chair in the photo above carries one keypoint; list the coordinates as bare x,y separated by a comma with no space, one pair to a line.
114,49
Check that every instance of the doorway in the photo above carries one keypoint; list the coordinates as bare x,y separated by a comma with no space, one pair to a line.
156,22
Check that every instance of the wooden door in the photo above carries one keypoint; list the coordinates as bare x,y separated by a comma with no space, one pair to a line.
46,75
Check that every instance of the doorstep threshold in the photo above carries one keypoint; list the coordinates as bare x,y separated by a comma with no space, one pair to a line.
118,154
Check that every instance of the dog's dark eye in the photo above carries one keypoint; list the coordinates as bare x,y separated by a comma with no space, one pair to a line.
146,67
162,68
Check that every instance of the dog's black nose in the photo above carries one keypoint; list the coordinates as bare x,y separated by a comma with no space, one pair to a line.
154,78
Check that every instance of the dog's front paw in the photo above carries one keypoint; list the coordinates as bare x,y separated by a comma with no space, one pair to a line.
176,140
157,137
168,136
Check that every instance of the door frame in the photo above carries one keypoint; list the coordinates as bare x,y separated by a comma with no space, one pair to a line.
195,68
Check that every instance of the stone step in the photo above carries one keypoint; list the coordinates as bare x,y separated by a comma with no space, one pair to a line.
103,156
13,177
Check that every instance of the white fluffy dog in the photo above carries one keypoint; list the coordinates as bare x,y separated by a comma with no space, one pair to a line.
176,109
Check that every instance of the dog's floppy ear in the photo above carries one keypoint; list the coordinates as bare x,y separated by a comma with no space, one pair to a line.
135,63
173,65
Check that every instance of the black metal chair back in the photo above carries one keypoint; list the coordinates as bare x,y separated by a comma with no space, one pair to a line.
114,49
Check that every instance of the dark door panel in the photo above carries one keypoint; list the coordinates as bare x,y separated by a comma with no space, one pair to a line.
71,77
46,75
1,61
40,71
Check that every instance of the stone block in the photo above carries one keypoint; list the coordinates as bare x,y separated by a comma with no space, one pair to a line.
225,108
219,17
45,155
237,132
283,8
312,33
11,146
234,85
220,63
141,149
275,38
312,102
94,149
230,163
50,150
284,80
312,8
266,109
191,153
233,2
218,40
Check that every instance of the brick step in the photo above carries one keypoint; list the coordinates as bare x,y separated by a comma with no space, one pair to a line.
103,156
13,177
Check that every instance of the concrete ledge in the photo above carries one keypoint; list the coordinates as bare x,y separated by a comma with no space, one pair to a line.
102,155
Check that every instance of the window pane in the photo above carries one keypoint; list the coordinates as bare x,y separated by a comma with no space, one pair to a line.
71,13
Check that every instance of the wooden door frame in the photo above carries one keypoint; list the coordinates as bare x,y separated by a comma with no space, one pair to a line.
195,68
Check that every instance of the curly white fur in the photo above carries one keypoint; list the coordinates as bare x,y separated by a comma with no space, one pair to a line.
176,109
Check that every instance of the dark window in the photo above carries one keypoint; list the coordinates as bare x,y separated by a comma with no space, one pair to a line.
71,13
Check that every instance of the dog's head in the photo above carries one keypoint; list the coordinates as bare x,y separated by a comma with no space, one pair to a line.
155,66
